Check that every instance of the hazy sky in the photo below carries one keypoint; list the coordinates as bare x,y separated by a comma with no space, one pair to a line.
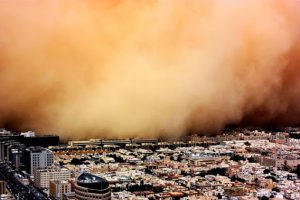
147,68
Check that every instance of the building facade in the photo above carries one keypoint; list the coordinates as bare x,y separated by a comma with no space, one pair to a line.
37,158
2,187
44,176
58,188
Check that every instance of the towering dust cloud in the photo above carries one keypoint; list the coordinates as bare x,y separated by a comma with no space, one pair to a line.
148,67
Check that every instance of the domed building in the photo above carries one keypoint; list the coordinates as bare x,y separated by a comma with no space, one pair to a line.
90,187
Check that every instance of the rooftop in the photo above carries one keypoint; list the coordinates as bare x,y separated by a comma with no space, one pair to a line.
92,182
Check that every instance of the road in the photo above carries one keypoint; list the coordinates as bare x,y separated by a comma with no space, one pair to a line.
17,188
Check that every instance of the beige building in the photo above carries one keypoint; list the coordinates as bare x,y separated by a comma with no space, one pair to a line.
292,164
2,187
204,161
44,176
272,161
280,162
57,188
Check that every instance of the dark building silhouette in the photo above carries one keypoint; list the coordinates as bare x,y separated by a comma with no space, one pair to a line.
40,140
37,140
91,187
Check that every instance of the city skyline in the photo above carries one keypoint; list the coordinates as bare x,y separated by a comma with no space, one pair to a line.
150,100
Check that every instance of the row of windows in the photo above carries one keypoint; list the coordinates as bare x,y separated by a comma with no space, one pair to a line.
82,195
55,175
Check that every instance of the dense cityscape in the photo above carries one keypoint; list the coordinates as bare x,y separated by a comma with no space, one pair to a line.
150,100
238,164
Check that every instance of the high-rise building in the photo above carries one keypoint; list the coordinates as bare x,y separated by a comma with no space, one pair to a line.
2,187
2,150
91,187
15,158
44,176
37,158
5,147
58,188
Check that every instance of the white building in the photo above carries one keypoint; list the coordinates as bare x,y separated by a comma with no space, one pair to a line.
28,134
38,158
44,176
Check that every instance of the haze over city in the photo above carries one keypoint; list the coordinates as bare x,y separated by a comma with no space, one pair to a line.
86,69
150,100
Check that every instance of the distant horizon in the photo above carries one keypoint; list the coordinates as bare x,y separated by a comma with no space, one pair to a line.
184,137
159,68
